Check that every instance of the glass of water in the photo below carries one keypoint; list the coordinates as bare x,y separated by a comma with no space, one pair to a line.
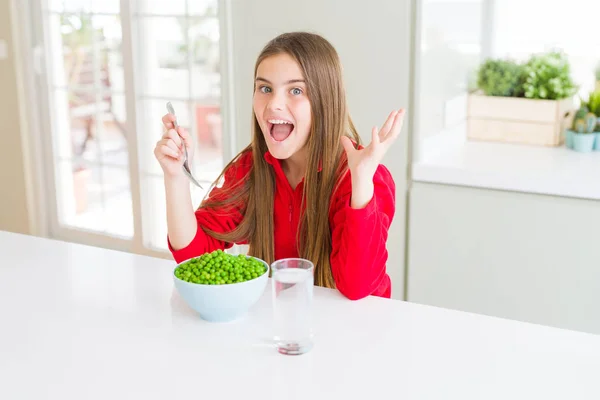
292,280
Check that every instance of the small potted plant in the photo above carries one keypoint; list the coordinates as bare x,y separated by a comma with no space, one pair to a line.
593,106
530,103
581,137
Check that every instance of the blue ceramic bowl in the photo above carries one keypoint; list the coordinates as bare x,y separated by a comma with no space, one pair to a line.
222,303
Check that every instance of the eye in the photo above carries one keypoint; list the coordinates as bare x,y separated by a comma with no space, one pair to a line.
265,89
296,91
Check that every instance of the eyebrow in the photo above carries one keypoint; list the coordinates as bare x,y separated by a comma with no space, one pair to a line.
258,78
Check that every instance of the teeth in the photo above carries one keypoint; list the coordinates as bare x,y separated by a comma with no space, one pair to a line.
279,121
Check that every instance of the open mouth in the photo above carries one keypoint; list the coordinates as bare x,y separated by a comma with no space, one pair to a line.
280,129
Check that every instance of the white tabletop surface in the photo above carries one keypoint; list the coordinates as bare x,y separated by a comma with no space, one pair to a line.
79,322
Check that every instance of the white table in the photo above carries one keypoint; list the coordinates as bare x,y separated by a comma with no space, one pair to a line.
79,322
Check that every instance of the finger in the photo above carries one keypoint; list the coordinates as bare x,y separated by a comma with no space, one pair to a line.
174,136
388,124
396,128
167,121
168,151
170,144
348,145
187,138
173,146
375,136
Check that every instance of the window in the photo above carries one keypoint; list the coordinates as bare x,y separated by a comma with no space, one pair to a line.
455,36
109,68
563,26
449,46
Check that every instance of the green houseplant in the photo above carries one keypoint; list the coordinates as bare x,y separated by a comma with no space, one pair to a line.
529,103
593,102
581,136
548,76
500,78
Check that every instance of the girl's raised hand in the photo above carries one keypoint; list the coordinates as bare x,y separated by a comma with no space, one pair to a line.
169,149
364,162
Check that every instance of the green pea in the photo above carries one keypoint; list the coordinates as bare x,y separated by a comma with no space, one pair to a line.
220,268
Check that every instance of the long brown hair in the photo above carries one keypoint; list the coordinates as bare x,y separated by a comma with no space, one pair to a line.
322,72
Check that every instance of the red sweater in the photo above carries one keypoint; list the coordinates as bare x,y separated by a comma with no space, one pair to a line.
359,254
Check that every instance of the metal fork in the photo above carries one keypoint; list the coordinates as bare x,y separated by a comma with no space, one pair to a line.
186,166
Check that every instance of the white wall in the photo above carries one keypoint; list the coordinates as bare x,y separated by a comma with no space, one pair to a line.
373,40
513,255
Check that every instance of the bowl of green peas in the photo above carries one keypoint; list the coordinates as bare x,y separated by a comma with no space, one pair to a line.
221,287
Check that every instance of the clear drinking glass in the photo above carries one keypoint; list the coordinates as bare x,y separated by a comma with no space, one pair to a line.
292,280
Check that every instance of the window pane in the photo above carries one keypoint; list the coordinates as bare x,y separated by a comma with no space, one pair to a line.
95,197
87,6
90,48
202,7
204,43
517,35
88,117
450,36
69,5
208,162
106,6
154,209
162,48
112,137
162,7
154,212
90,126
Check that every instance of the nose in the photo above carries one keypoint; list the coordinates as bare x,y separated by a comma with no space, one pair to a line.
276,102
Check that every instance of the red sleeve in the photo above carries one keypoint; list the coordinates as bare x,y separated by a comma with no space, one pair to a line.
215,220
359,254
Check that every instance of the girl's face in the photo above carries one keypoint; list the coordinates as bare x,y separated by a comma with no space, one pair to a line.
281,105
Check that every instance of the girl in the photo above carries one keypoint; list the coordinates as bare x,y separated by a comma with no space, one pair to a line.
304,187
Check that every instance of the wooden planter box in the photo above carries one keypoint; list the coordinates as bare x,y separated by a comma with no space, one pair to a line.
518,120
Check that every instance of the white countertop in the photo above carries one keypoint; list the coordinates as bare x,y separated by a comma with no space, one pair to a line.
533,169
79,322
